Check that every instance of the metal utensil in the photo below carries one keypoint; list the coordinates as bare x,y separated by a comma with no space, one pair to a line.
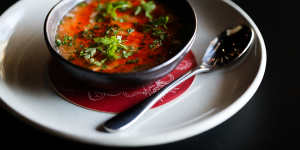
227,48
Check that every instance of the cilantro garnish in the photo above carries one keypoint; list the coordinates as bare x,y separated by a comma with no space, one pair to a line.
148,7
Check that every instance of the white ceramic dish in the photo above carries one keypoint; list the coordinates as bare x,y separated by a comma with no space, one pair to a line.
212,98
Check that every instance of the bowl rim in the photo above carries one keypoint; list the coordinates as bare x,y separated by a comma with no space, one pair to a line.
181,52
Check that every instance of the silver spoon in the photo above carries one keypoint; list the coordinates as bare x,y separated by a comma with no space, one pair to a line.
225,49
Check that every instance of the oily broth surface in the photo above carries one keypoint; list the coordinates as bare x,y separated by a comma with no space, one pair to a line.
82,18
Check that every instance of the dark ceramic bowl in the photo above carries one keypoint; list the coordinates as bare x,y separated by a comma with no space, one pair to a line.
181,8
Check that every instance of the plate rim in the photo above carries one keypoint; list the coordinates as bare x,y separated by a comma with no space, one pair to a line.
188,130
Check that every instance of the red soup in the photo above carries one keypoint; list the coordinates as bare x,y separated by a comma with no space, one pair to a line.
118,36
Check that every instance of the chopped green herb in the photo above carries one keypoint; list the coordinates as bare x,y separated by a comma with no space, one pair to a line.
99,17
159,33
155,44
161,21
71,58
110,8
104,66
58,42
92,60
100,7
88,53
96,27
88,34
126,54
148,8
121,20
147,28
82,4
100,49
132,48
110,45
132,61
97,63
130,30
67,40
138,10
112,30
122,46
101,63
151,46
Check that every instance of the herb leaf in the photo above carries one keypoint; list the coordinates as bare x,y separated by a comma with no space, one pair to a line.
67,40
88,53
112,30
111,45
130,30
88,34
156,44
126,54
111,8
159,34
99,7
132,61
82,4
137,10
99,63
58,42
148,8
161,21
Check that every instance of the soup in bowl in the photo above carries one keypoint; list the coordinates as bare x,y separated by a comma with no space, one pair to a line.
115,44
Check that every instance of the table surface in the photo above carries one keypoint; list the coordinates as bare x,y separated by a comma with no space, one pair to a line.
256,127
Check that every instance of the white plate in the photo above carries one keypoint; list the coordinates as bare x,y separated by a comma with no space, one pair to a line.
212,98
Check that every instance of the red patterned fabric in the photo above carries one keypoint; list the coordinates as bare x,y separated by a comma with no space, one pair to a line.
115,102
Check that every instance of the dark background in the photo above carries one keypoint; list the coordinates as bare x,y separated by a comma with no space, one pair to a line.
264,123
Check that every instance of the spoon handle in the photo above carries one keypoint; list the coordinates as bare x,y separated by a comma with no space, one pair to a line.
125,119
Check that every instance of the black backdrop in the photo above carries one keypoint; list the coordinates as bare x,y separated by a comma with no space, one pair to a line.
256,127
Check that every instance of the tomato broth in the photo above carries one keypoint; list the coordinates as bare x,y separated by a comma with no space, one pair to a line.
118,36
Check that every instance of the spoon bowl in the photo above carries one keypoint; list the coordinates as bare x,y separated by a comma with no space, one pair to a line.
229,47
226,49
